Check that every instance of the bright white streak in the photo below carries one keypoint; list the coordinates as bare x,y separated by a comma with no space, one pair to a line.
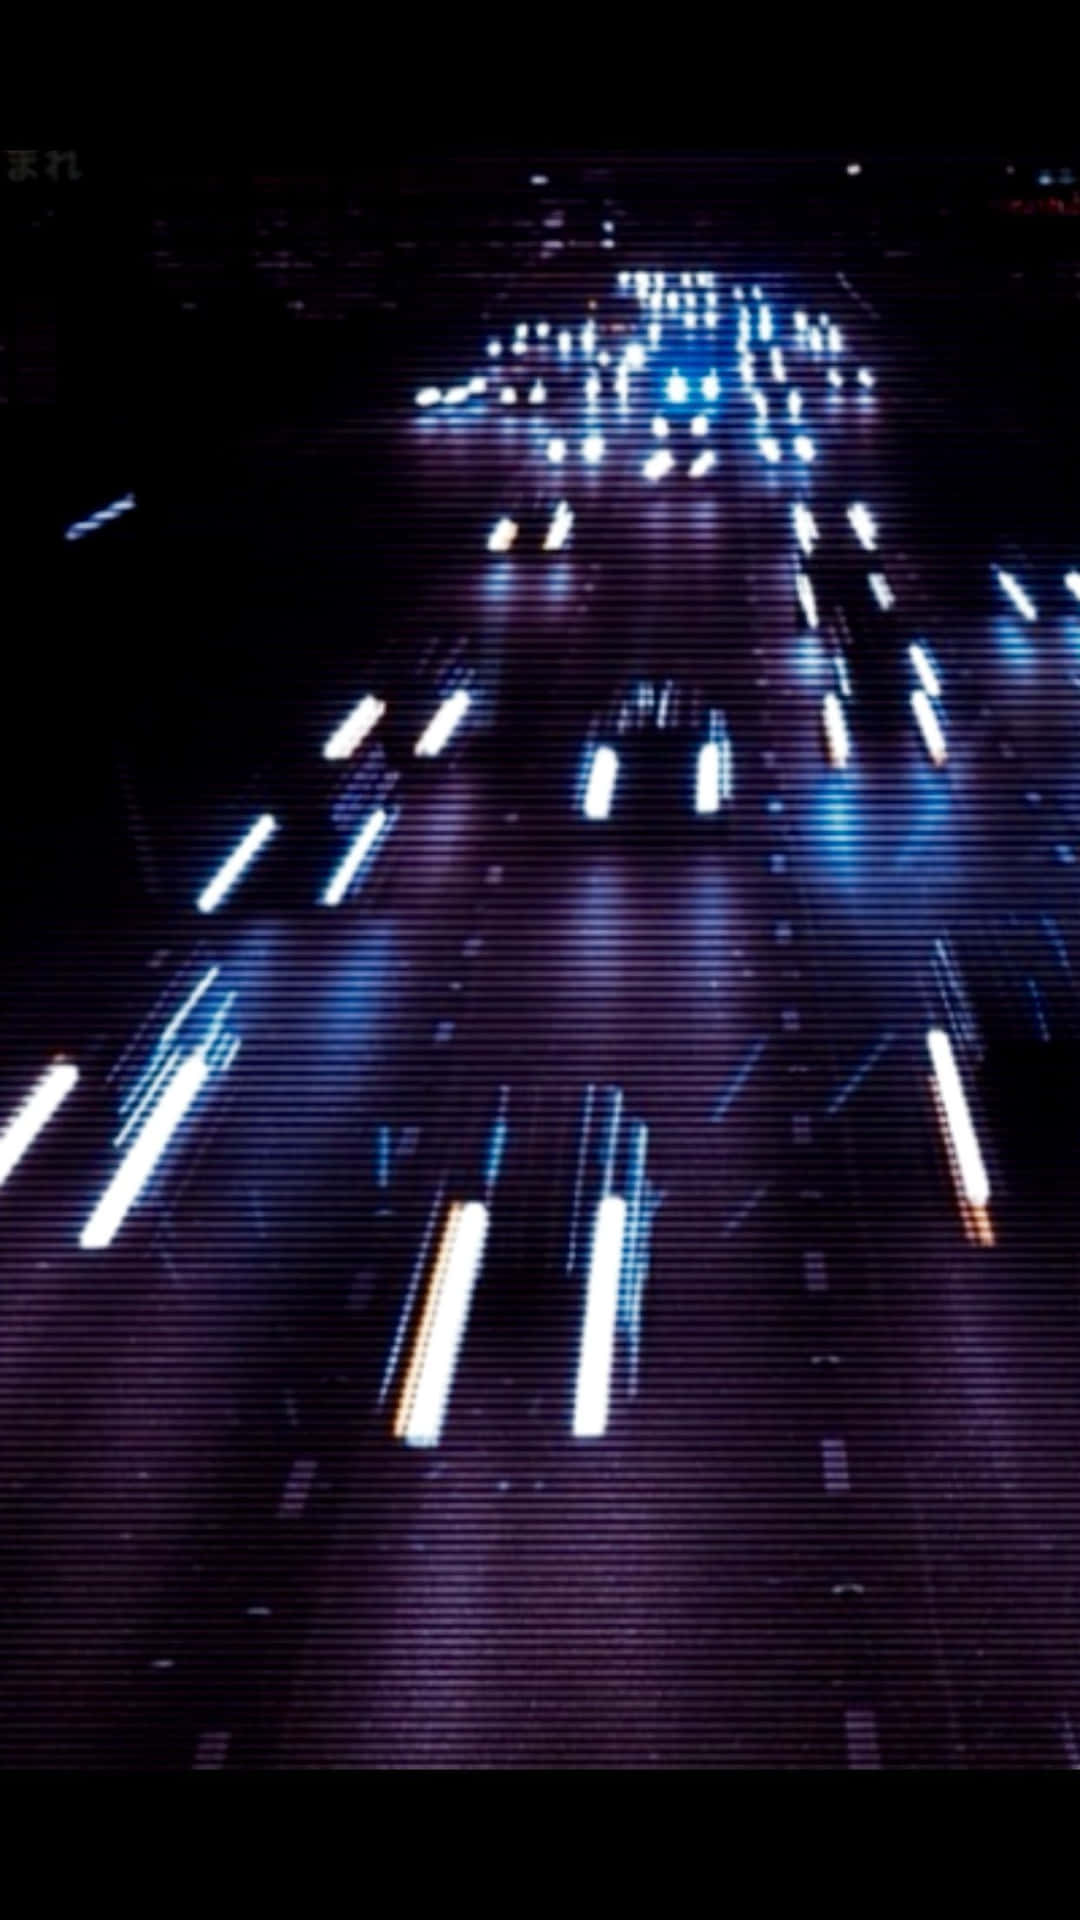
34,1113
144,1153
556,451
559,531
658,464
429,397
806,532
1017,595
426,1389
598,1331
794,403
707,787
502,535
446,718
354,729
771,449
601,785
238,861
1072,581
863,525
837,743
704,463
932,736
592,449
804,588
882,592
660,427
924,667
699,426
348,867
836,740
958,1118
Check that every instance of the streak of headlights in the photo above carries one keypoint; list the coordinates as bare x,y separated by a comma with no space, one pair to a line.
1011,586
443,724
349,866
229,873
354,729
145,1153
601,784
592,1397
429,1376
34,1113
962,1147
929,727
837,741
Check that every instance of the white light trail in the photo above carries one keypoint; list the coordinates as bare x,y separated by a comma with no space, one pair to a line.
601,784
354,729
593,1394
144,1153
503,534
425,1392
704,463
764,324
863,525
79,528
556,451
429,396
227,875
1072,581
707,782
658,464
770,448
559,530
454,396
865,377
537,394
837,743
565,341
836,340
543,328
349,866
635,356
443,723
932,736
494,348
761,403
710,387
807,599
806,529
804,446
974,1181
592,449
794,403
699,426
925,669
835,377
508,396
678,388
33,1114
776,362
882,592
800,322
660,427
592,388
1016,594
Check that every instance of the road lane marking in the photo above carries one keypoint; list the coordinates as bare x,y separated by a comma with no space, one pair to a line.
854,1081
211,1751
834,1466
297,1487
814,1272
861,1738
740,1077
